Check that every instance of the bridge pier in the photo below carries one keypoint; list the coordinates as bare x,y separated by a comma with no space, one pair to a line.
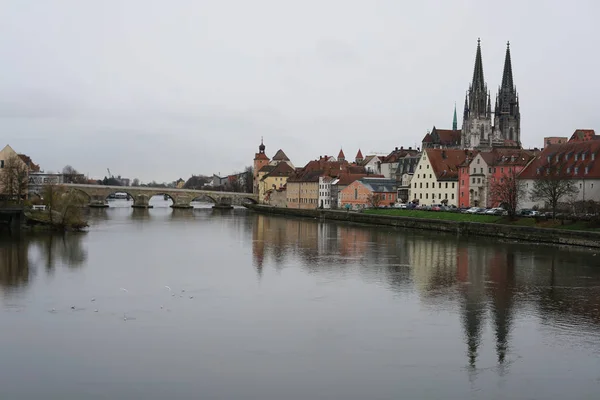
223,203
98,202
182,202
141,201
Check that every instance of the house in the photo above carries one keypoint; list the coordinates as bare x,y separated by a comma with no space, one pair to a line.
303,187
179,183
442,139
389,163
372,164
15,169
481,170
435,180
583,135
342,182
555,140
273,177
577,161
369,192
325,199
404,173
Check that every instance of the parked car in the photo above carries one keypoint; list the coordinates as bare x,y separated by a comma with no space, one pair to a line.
400,205
472,210
495,211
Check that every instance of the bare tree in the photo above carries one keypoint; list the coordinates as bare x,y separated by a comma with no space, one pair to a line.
71,175
552,186
13,179
508,191
64,207
374,200
249,179
135,182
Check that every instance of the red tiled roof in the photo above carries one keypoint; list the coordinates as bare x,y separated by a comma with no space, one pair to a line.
582,135
507,157
586,153
346,178
445,162
30,164
281,169
341,155
267,168
359,155
261,156
427,138
397,154
280,156
447,137
323,167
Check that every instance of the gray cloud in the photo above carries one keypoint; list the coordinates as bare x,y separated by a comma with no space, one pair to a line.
161,90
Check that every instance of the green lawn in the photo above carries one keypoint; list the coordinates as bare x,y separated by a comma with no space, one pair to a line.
490,219
450,216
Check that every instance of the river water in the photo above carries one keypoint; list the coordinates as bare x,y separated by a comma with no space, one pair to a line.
208,304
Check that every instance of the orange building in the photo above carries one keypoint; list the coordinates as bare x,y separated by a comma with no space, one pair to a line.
360,192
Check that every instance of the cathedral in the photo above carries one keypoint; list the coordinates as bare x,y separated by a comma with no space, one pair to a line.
477,128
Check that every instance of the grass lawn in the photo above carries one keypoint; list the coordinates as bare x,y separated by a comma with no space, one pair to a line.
450,216
490,219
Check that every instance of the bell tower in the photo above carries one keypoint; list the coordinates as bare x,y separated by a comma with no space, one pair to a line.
260,160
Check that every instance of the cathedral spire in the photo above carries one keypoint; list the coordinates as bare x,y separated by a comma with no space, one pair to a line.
478,81
507,77
454,121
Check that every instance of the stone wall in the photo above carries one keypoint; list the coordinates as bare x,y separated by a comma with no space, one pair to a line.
523,233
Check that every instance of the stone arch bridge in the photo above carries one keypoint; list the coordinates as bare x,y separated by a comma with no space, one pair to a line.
98,195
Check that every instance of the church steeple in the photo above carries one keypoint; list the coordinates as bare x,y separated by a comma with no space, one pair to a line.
454,121
477,120
507,118
478,81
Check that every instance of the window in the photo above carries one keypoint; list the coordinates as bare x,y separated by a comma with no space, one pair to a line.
580,186
429,176
355,194
426,185
478,180
591,185
501,180
502,170
452,196
548,159
462,182
439,185
432,196
576,156
426,195
440,196
420,195
446,196
421,185
478,161
481,170
383,196
452,185
593,156
415,185
1,163
582,156
473,180
427,166
568,170
420,166
586,170
576,170
446,185
462,194
494,170
489,170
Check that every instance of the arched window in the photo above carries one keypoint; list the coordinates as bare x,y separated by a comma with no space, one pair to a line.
355,194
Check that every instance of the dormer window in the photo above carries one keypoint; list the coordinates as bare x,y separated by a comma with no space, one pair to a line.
587,170
548,159
593,156
582,156
537,171
568,170
576,170
576,156
557,158
567,157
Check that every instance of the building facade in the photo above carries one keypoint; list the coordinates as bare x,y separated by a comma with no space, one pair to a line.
359,194
435,180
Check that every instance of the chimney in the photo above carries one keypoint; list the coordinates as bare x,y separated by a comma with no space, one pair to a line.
401,147
410,148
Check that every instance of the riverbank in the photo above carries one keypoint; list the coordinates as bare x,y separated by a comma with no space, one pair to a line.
467,228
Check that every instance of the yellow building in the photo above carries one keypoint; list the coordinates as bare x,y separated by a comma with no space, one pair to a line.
14,170
274,174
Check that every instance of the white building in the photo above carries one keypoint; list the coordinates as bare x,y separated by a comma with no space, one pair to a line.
435,179
577,161
325,198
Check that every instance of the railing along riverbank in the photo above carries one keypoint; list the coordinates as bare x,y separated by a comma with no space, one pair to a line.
512,232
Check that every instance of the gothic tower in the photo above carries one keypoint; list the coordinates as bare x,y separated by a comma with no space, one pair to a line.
507,118
477,116
454,121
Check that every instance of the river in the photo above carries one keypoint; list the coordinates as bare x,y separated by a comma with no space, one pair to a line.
209,304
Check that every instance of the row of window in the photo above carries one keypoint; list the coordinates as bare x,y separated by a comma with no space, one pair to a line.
432,185
578,156
490,170
439,196
574,170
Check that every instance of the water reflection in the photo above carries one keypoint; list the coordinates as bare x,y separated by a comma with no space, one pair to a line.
489,283
21,255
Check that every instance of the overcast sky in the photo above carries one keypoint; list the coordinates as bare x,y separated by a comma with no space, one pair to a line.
165,89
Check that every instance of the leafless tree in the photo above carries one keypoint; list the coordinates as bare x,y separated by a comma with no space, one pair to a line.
71,175
508,191
135,182
374,200
13,179
552,186
64,206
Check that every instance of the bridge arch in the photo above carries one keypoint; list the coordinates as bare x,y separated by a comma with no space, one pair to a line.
205,196
250,200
